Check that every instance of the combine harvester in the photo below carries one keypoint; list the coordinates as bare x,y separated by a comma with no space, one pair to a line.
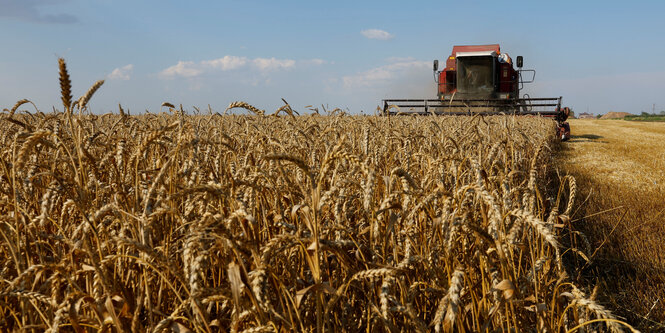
479,79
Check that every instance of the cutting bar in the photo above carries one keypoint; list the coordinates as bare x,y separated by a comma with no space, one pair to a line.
521,106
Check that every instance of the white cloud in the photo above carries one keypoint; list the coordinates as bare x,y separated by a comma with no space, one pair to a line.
190,69
377,34
267,64
184,69
383,74
225,63
122,73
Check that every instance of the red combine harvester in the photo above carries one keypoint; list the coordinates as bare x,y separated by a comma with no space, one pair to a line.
479,79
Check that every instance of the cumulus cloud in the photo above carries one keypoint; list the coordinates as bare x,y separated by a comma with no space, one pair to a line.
226,63
377,34
184,69
28,10
189,69
273,64
122,73
384,74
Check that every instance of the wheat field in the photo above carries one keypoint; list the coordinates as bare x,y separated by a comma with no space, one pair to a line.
276,223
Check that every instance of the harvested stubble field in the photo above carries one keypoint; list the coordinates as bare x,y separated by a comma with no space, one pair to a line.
176,222
620,171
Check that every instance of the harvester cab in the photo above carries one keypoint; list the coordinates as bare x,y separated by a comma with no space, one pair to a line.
479,79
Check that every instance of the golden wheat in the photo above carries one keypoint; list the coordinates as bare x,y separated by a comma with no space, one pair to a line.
65,85
299,223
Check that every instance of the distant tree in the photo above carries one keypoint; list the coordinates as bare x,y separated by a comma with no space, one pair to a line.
662,113
645,114
598,116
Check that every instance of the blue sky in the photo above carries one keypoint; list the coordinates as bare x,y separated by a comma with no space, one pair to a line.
599,56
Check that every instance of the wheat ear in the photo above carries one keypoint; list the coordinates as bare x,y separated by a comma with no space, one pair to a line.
83,101
65,85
